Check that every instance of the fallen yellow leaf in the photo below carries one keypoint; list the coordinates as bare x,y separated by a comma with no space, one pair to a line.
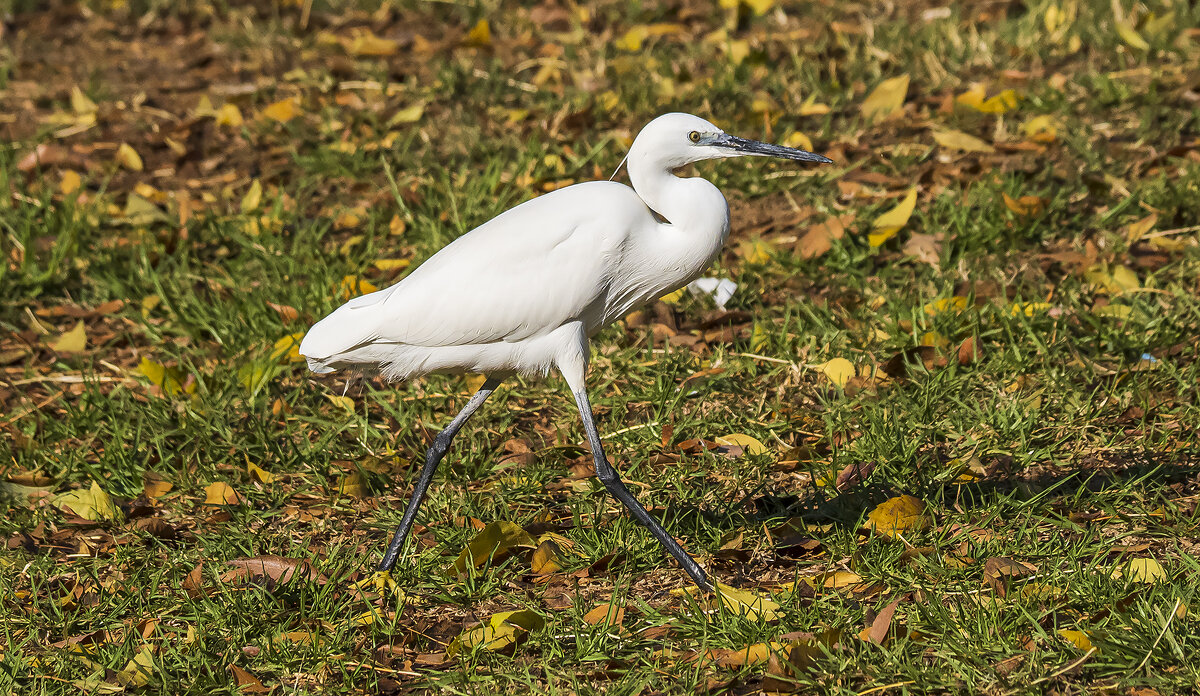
386,265
834,579
228,116
1130,36
348,220
1079,639
90,504
749,444
545,559
607,614
1142,570
673,297
353,485
220,493
139,211
888,224
253,197
353,286
409,114
139,670
281,111
737,50
500,631
957,140
73,341
480,34
496,539
1025,206
171,380
80,103
632,40
756,250
976,98
204,107
886,99
756,654
299,638
750,604
1112,280
287,349
838,370
70,182
1027,308
128,158
1057,17
898,515
365,43
798,140
155,486
1041,129
259,473
957,303
759,7
1134,231
343,402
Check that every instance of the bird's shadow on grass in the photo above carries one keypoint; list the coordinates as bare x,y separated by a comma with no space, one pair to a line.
1041,485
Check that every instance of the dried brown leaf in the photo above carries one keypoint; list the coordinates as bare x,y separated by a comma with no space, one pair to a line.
193,584
968,351
852,475
878,631
286,312
608,614
271,570
246,682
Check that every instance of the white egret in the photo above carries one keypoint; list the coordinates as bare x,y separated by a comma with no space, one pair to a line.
524,292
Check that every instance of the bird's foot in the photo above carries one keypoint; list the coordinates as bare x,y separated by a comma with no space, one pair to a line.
381,581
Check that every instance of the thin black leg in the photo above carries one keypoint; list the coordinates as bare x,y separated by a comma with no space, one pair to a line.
612,481
433,457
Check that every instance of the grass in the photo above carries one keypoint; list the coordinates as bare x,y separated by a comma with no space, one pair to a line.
1067,444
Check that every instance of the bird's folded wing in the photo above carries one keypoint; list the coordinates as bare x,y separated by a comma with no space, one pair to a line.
532,269
483,295
473,292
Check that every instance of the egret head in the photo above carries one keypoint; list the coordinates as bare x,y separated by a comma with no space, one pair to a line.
674,140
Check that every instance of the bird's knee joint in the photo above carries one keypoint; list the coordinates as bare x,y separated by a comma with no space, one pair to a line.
607,475
440,446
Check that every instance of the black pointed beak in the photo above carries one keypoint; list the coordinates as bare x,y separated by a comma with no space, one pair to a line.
743,146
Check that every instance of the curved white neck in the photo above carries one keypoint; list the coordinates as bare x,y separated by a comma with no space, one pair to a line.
693,206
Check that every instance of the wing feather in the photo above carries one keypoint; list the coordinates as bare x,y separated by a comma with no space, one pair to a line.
527,271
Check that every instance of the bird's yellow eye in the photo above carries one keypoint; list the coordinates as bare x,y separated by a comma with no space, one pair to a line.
694,136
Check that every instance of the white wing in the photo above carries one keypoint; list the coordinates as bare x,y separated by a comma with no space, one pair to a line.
529,270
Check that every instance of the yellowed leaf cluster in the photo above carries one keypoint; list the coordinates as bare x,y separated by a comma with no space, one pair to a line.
494,540
498,632
171,381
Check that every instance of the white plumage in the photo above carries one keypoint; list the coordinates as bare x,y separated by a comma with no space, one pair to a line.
524,291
